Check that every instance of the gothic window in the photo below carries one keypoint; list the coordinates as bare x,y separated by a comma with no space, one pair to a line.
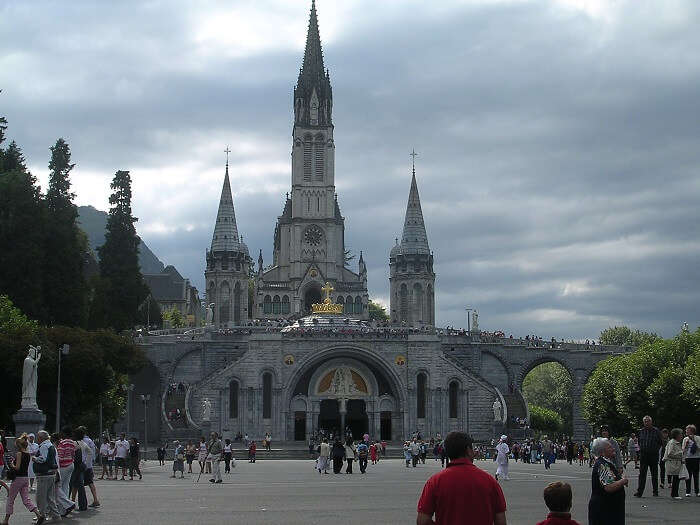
276,305
307,160
225,303
233,399
349,305
358,305
420,383
237,304
454,400
267,395
319,160
418,302
430,306
403,305
341,300
267,305
313,235
285,304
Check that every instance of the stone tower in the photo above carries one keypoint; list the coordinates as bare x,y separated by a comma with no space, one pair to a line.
228,265
411,275
309,240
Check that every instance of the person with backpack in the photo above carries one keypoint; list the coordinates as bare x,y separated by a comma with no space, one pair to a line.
362,452
45,468
691,453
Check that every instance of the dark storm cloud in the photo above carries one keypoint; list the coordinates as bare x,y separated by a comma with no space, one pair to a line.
558,159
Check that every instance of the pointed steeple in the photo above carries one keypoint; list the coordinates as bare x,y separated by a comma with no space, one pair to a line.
313,77
225,238
414,238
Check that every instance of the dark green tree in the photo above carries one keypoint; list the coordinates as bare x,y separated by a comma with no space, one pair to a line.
624,336
549,386
545,420
377,312
65,246
122,290
22,222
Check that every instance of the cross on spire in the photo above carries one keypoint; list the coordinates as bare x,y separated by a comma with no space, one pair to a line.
227,151
413,160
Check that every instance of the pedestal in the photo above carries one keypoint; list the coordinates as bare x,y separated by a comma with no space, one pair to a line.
206,429
29,420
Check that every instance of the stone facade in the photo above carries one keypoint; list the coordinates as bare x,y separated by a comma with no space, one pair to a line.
324,371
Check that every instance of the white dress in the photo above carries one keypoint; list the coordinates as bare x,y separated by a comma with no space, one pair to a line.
502,460
32,448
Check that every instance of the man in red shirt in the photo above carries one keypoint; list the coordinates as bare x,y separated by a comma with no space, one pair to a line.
462,493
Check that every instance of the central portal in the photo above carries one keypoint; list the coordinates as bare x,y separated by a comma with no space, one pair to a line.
329,416
356,418
311,297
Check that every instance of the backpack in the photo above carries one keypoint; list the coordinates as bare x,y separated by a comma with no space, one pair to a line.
694,446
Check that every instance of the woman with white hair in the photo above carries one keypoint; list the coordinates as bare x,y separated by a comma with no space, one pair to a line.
502,451
607,503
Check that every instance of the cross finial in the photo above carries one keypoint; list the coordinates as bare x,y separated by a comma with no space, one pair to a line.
328,289
227,151
413,160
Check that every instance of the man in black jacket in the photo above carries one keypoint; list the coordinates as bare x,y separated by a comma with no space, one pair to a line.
649,445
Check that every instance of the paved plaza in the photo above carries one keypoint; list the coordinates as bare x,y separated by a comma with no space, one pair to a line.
290,492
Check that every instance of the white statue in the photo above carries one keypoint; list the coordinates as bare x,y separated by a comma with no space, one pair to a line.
475,321
497,411
30,376
206,409
210,313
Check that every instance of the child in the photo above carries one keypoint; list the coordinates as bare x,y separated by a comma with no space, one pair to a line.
558,497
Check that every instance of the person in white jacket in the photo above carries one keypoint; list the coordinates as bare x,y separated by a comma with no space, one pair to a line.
502,451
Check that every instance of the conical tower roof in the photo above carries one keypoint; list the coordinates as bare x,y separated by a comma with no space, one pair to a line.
225,238
414,238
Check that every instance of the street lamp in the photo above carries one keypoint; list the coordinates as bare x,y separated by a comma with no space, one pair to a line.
145,398
128,389
469,310
63,350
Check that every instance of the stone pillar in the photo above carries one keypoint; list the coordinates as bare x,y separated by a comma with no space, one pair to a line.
29,420
582,430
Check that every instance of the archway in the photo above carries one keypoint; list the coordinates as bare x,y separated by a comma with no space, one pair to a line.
547,388
356,418
329,416
312,296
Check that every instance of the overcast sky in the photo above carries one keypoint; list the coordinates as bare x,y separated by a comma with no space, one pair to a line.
558,141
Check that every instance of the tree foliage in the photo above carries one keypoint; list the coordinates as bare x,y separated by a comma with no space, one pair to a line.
65,289
624,336
121,290
659,379
377,312
549,386
545,420
174,318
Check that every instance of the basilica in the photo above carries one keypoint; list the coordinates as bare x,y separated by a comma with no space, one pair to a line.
288,347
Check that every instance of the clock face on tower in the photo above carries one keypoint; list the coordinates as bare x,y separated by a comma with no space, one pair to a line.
313,235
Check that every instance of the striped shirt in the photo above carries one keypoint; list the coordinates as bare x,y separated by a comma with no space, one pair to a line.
649,440
66,451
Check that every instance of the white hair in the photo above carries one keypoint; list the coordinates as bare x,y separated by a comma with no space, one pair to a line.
599,445
44,434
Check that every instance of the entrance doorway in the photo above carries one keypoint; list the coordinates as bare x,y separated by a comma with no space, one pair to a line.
385,425
299,425
329,415
356,418
312,296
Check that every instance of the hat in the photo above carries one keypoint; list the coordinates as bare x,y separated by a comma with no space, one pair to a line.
176,442
504,437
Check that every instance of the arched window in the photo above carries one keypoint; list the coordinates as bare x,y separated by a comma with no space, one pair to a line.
421,383
341,300
454,399
403,314
225,303
233,399
267,395
267,305
430,306
285,304
237,304
358,305
307,159
349,305
319,166
276,305
418,303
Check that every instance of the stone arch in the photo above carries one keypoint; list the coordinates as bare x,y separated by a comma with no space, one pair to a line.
508,368
298,403
527,367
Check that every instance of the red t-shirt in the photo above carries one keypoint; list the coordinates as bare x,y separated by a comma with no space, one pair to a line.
462,493
66,452
558,518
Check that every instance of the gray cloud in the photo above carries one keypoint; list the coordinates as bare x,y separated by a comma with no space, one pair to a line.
558,146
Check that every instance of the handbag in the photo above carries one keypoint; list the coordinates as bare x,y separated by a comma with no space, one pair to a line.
11,474
683,474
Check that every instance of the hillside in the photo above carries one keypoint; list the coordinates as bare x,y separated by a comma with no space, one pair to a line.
93,223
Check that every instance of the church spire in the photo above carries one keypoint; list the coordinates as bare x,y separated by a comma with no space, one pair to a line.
313,78
225,238
414,238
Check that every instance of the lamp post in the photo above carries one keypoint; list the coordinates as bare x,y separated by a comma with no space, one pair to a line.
145,398
469,310
63,350
128,389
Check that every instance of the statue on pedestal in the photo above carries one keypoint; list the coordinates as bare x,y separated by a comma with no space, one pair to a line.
206,409
497,411
475,321
30,377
